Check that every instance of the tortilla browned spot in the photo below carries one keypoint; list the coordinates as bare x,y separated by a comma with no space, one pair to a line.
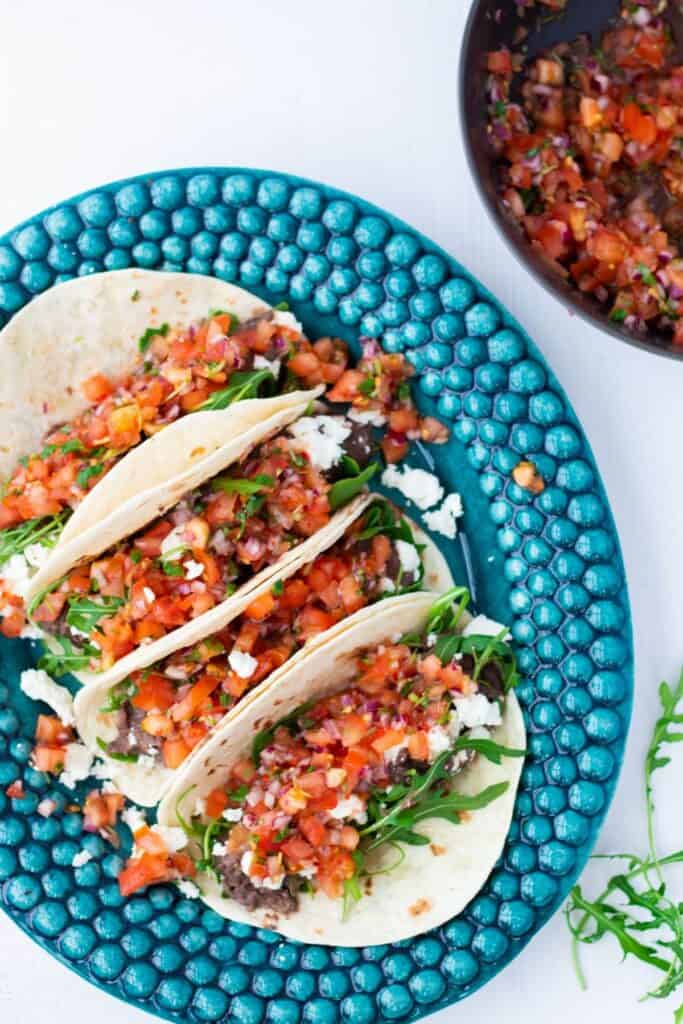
419,907
437,850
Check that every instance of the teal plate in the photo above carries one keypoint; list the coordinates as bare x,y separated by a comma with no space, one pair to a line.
549,565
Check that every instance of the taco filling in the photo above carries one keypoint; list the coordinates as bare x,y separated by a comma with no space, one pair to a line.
217,538
343,777
163,712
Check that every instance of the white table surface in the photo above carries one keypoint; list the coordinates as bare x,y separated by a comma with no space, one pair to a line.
360,94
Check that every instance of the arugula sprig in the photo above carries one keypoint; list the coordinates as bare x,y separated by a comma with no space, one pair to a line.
43,530
243,384
67,658
342,491
84,613
634,906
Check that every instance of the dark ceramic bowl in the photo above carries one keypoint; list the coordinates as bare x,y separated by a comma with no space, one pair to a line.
485,32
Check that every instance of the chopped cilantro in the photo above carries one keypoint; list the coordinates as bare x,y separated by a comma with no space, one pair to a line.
152,332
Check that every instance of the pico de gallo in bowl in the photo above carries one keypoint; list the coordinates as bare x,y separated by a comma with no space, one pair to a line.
320,792
581,164
158,715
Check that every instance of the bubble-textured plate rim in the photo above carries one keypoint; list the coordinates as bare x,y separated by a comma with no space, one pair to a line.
348,267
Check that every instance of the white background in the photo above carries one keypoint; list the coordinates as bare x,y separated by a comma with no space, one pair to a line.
361,94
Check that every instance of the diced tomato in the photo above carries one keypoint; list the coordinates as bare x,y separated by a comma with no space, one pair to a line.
216,802
354,728
499,62
295,593
261,606
143,871
389,738
190,704
15,791
48,759
296,851
418,746
51,730
154,693
312,829
97,388
150,542
150,841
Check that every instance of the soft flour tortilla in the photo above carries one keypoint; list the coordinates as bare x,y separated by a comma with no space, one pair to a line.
146,785
434,882
93,325
157,474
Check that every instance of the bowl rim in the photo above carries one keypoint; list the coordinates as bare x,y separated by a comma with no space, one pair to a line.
517,248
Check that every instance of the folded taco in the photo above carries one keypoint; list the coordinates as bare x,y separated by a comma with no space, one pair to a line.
161,587
364,797
146,722
99,377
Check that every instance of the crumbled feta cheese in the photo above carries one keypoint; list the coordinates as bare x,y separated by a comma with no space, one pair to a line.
189,890
351,807
372,416
38,685
16,575
444,519
477,710
219,849
36,555
261,363
409,557
242,663
283,318
134,818
81,858
439,741
480,625
419,486
271,883
101,770
77,764
149,595
431,639
174,838
308,871
193,570
388,586
173,545
321,438
232,814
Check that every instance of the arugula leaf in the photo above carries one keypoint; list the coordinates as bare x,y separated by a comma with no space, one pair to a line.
84,613
68,659
263,738
243,384
43,530
85,474
635,901
282,307
125,758
646,275
172,568
119,695
277,588
342,491
234,320
618,315
152,332
228,485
